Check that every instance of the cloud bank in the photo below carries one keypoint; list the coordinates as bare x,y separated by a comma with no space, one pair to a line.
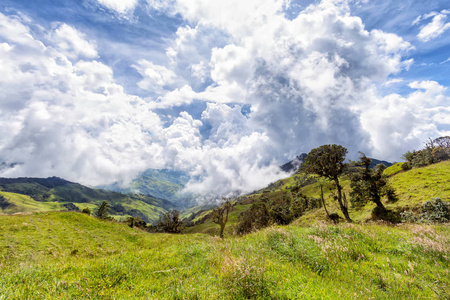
243,89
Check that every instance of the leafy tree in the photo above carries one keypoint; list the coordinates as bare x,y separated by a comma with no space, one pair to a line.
220,215
254,218
135,222
328,161
278,210
102,211
170,222
435,150
369,184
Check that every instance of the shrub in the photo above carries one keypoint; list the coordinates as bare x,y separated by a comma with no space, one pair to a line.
170,222
135,222
334,217
86,211
281,211
386,215
434,211
254,218
406,166
102,211
71,207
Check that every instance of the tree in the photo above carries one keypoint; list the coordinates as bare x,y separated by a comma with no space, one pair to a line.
102,211
328,161
254,218
135,222
220,215
435,150
369,184
170,222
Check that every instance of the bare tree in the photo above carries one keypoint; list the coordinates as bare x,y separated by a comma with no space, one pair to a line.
220,214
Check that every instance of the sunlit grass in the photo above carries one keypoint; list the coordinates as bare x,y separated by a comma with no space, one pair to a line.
74,256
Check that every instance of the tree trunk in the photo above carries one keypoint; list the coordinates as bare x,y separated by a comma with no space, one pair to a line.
323,202
378,202
341,204
222,228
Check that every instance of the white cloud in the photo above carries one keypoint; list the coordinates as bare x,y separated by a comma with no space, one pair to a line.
445,61
155,77
436,27
177,97
120,6
72,43
398,124
69,119
393,81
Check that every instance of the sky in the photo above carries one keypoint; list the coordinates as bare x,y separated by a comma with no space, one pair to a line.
97,91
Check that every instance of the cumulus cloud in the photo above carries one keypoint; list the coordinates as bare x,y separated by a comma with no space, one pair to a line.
155,77
270,88
72,43
435,28
66,118
404,123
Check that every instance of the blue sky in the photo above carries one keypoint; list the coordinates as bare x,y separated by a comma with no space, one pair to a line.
100,90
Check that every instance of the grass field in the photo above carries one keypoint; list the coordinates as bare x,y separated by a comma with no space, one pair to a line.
62,255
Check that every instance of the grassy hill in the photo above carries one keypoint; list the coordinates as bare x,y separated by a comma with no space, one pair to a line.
163,184
412,187
66,255
47,194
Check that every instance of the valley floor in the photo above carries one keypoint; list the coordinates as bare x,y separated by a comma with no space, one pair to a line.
61,255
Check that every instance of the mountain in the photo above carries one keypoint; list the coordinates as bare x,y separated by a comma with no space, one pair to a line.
164,184
375,162
294,164
53,193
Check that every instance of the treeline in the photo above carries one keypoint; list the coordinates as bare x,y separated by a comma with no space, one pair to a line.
270,211
434,151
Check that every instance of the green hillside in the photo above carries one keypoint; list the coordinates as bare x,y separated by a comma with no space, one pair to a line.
163,184
412,187
47,194
65,255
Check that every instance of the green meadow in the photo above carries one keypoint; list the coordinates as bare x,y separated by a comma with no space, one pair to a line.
66,255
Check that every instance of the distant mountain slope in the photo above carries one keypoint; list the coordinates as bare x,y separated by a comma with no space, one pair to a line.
164,184
375,162
294,164
53,193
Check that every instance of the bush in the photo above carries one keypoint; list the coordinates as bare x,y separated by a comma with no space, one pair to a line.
281,211
406,166
170,222
434,211
102,211
136,222
254,218
86,211
386,215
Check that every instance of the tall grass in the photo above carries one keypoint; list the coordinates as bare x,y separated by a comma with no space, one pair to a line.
74,256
